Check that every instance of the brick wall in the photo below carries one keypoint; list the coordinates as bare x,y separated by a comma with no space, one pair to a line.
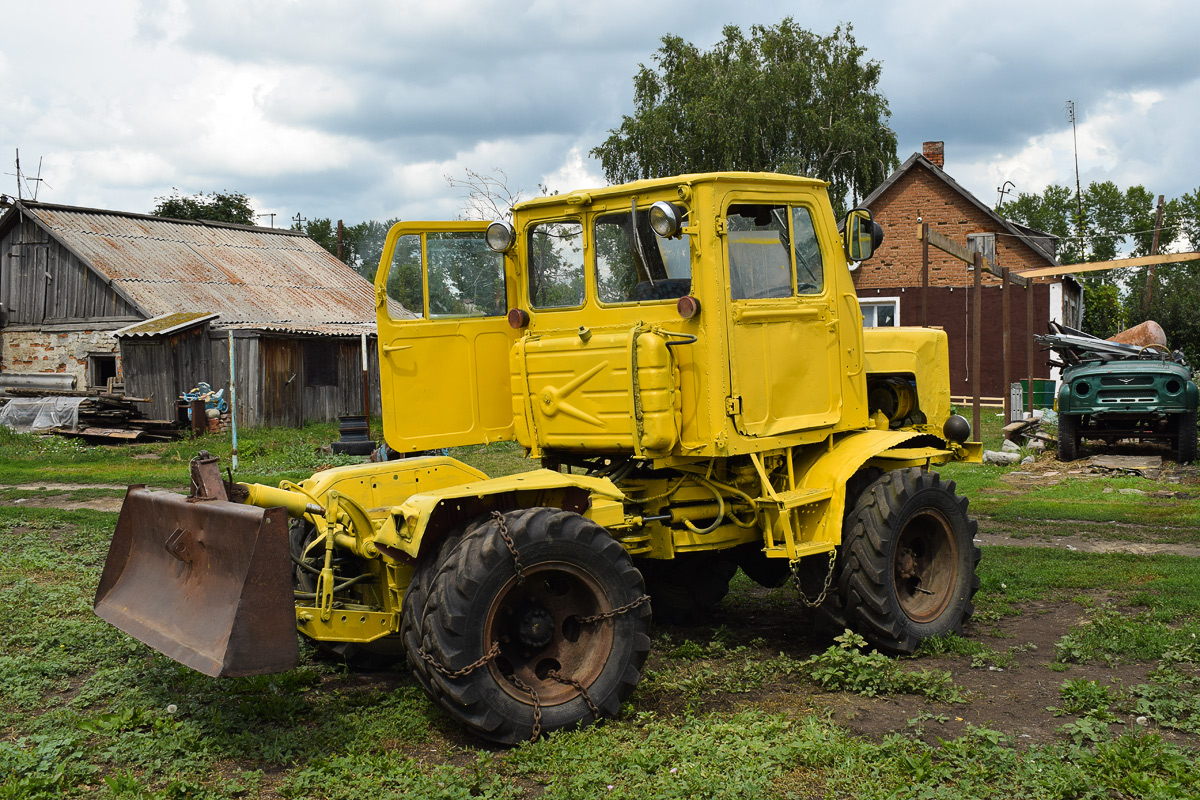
920,194
58,352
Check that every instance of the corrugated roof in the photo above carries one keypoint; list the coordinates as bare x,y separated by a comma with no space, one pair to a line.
249,275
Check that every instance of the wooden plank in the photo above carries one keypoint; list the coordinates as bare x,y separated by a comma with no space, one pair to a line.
951,247
1097,266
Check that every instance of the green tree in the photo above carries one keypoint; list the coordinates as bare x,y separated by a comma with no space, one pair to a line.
216,206
782,99
362,244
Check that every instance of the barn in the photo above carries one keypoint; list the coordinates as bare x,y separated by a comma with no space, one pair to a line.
91,298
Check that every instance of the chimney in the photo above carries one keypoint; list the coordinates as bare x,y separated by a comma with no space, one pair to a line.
935,152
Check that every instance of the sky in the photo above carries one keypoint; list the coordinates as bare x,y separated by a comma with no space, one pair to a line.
362,110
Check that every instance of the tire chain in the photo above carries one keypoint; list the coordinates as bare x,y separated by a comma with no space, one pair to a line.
494,651
512,547
824,589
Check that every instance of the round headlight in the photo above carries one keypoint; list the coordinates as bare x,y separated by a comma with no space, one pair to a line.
501,236
666,219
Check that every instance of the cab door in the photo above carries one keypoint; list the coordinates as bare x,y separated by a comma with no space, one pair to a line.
441,300
783,339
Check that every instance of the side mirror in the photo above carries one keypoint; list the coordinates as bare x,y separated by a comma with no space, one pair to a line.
862,235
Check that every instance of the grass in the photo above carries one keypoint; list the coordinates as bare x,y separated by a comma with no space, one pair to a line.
85,711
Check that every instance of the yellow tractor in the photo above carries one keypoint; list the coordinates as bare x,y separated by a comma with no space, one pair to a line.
686,358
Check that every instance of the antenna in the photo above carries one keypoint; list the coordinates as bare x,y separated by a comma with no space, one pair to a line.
1078,193
20,176
270,214
1003,190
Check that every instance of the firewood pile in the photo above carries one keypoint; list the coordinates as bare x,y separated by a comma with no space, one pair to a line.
106,417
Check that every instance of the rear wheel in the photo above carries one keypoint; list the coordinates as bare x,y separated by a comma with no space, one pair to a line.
689,586
548,634
1068,437
910,561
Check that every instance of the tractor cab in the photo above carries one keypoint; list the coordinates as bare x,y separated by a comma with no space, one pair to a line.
686,316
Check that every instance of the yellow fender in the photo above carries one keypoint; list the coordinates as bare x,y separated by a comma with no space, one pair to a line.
426,517
822,468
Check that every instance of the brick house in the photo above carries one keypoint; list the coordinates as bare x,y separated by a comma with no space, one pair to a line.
890,285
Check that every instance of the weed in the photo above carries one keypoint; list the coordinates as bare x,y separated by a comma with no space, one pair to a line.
1111,636
846,667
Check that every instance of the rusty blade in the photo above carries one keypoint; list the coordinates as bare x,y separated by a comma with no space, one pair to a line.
205,582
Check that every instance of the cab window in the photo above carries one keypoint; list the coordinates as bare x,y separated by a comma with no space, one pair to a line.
556,264
773,252
635,265
464,277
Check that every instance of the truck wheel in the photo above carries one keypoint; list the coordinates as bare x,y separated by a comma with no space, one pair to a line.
545,634
1068,437
688,586
1185,437
910,561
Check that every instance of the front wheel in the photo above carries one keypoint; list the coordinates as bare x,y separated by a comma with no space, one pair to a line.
910,559
533,621
1068,437
1185,437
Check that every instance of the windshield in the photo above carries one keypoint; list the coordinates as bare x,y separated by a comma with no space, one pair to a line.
637,265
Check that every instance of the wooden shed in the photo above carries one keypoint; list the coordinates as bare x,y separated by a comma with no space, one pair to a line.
90,296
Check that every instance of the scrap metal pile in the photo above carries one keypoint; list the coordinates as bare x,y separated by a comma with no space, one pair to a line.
1076,347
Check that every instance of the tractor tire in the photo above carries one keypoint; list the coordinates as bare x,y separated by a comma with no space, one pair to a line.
770,573
909,561
547,635
1185,436
1068,437
688,587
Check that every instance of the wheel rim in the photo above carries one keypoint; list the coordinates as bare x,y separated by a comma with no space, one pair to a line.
538,625
925,566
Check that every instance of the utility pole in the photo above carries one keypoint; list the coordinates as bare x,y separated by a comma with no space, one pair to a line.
1078,192
1153,251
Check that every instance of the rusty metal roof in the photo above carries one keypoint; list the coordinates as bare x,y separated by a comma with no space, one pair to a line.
251,276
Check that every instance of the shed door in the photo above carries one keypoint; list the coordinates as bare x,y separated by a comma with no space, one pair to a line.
280,364
444,338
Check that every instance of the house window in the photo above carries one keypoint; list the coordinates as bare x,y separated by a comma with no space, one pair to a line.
984,243
320,363
880,312
102,367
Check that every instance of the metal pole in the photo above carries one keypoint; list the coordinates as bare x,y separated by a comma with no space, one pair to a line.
232,403
366,387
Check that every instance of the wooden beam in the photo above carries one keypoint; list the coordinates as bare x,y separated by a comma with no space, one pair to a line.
1096,266
948,245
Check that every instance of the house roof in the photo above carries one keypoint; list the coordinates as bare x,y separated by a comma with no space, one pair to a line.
1040,242
253,277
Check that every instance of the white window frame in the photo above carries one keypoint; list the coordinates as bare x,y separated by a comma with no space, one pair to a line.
869,305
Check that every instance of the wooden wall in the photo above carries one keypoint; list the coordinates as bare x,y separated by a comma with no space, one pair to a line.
41,281
281,380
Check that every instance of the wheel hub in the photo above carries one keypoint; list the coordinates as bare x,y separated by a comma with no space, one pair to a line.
535,627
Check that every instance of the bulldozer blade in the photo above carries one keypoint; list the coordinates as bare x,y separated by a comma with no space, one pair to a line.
205,582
